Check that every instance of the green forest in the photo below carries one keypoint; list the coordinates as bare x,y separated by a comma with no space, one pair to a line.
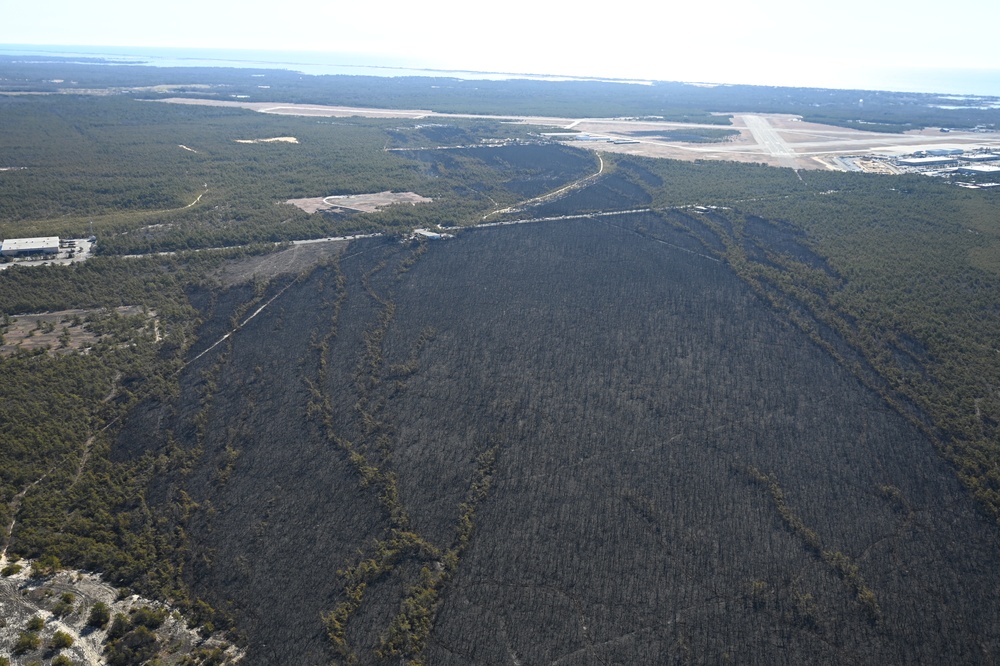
880,111
542,430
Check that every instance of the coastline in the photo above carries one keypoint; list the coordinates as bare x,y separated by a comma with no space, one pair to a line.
969,82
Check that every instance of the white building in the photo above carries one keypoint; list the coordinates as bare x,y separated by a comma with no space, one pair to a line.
926,161
982,157
19,247
980,170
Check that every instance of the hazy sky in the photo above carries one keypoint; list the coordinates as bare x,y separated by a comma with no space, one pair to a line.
843,44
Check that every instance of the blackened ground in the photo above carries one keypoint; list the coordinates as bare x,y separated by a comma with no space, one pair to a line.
681,475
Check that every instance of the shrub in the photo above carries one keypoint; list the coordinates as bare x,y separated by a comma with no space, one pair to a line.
45,566
62,660
61,640
36,623
10,570
64,607
119,627
26,642
148,617
99,616
205,657
136,647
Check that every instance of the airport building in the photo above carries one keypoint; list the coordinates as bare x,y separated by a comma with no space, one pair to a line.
980,170
982,157
926,161
21,247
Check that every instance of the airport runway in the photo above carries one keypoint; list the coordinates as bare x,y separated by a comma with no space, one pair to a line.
768,139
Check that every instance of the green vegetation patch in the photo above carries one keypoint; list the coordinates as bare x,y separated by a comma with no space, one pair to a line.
691,135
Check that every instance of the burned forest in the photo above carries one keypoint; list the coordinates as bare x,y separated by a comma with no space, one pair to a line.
566,442
487,394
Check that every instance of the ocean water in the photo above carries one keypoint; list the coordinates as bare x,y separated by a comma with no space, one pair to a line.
307,62
947,81
968,81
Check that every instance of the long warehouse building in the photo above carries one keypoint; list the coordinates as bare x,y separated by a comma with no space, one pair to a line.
19,247
926,161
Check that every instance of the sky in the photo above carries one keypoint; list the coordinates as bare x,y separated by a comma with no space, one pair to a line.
848,44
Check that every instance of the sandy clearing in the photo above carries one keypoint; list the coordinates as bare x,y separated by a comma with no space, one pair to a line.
365,203
317,110
28,332
341,111
292,260
23,597
302,109
276,139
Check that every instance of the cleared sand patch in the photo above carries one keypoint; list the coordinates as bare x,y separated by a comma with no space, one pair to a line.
365,203
23,597
294,259
57,332
275,139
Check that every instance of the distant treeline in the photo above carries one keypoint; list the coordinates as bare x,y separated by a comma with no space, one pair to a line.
879,111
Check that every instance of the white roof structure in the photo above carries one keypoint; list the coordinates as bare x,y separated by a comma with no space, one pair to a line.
982,157
22,245
980,169
926,161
